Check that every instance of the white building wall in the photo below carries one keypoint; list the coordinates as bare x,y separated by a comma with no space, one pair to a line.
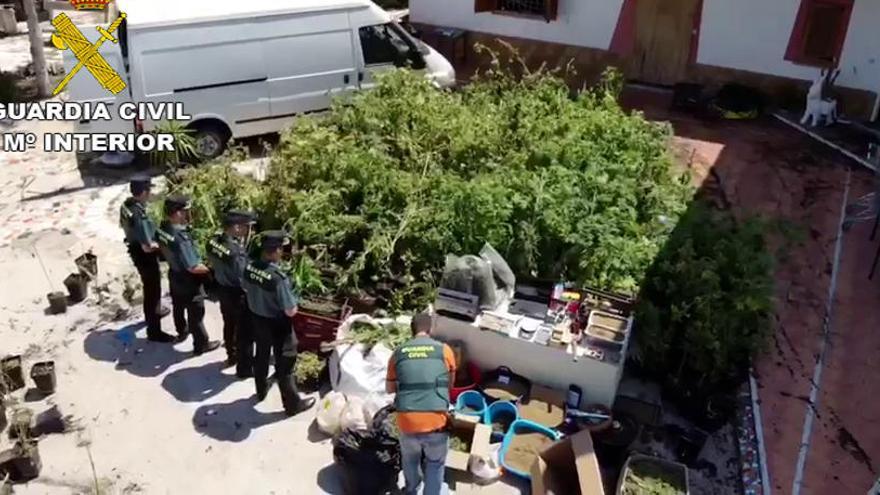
759,37
588,23
748,35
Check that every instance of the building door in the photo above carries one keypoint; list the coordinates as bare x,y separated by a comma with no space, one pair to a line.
665,35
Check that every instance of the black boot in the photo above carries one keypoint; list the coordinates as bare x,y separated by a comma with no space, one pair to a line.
302,405
160,336
210,346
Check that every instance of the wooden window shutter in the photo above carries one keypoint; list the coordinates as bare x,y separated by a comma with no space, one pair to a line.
551,10
485,5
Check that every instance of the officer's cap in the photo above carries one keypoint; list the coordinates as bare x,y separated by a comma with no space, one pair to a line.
238,217
140,184
173,204
274,239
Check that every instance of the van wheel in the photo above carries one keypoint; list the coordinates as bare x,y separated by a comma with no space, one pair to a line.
209,142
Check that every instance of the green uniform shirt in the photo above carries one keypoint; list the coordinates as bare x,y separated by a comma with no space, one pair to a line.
227,258
135,222
269,292
178,248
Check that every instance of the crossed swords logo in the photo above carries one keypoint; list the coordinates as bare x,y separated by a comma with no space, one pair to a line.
68,36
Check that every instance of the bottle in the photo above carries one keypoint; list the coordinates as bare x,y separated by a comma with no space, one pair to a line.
557,291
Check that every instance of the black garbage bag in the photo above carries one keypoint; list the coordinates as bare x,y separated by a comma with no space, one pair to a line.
371,457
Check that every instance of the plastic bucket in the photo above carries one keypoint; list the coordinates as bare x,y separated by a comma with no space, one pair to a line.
471,403
512,386
503,412
521,427
476,377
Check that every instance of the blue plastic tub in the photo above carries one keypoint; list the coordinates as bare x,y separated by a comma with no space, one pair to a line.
471,399
497,410
519,427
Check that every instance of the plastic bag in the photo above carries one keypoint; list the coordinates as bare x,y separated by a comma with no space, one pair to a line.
329,413
374,403
353,415
371,457
500,268
486,469
356,374
471,275
457,275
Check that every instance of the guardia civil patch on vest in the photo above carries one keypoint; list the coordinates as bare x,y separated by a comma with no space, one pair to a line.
164,237
259,277
216,248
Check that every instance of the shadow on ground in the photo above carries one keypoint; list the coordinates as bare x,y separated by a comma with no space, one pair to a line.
198,383
144,358
233,421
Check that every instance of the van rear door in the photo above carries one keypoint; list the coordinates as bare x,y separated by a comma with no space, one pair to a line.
84,88
310,62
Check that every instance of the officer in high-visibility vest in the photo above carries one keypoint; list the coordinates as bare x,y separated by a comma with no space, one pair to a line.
227,258
140,239
421,372
272,303
186,274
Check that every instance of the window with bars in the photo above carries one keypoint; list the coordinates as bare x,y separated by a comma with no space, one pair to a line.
547,9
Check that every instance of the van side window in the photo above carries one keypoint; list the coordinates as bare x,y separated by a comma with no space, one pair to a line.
383,45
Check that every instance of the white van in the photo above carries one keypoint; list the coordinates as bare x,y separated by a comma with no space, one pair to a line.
247,67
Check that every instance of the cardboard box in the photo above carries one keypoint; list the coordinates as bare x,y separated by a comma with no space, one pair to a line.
568,467
478,434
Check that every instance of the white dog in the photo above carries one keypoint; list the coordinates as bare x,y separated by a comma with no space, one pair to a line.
820,108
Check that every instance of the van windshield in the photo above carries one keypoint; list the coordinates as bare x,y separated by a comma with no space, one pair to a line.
415,43
390,44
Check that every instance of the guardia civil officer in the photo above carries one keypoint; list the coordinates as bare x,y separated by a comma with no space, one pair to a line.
140,239
186,274
272,303
420,373
227,258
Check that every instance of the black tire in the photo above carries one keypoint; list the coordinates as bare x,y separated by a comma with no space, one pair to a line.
210,142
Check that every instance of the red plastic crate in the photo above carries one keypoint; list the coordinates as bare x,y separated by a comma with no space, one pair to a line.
313,329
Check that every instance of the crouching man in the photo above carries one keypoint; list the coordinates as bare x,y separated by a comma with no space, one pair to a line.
421,373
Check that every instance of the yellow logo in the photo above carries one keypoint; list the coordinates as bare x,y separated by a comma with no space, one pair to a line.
90,4
67,35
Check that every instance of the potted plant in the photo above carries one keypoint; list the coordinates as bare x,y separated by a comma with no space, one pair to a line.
184,146
307,372
644,474
22,461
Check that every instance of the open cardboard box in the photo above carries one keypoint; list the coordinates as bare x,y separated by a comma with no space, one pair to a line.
568,467
468,427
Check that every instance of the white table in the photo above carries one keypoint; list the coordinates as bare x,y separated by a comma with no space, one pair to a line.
549,366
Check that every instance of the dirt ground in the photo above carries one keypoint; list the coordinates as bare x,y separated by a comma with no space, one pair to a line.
767,168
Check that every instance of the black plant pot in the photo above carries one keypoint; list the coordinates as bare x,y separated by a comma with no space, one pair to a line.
87,264
13,375
22,462
57,302
44,378
77,287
